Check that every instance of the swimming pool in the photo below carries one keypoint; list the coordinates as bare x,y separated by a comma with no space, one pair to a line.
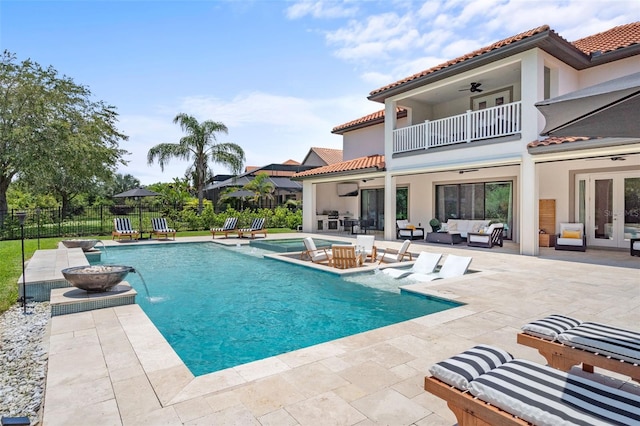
221,307
291,244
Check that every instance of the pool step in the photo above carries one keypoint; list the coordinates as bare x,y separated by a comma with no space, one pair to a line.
72,300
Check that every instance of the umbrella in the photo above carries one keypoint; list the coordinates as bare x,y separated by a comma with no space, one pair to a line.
137,193
608,109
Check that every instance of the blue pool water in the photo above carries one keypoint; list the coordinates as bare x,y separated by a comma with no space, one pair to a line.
221,307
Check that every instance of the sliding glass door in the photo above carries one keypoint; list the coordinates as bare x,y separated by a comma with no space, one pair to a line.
483,200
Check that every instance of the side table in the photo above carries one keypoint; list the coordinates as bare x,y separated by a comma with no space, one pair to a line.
546,240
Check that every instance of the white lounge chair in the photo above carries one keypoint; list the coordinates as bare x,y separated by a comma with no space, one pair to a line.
453,266
571,237
316,255
367,242
392,255
425,264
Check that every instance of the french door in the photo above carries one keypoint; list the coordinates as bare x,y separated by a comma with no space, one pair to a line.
609,206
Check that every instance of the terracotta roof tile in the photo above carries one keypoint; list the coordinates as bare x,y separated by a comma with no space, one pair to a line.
362,163
377,116
613,39
463,58
329,155
556,140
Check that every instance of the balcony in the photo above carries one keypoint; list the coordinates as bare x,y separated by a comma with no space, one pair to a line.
502,120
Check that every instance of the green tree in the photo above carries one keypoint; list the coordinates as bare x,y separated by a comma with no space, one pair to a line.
53,136
201,147
261,186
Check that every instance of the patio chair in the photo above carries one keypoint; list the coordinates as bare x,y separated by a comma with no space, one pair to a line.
391,255
229,227
344,256
122,228
257,227
426,263
453,266
635,246
571,237
159,228
487,386
315,254
493,236
404,230
566,341
367,242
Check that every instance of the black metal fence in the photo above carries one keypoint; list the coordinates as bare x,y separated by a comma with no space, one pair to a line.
98,220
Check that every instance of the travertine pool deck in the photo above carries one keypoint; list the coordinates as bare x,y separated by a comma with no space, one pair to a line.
112,367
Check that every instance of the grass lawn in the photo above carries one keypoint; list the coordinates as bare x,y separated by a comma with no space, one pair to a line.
11,259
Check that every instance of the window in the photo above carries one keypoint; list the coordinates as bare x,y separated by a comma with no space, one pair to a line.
484,201
402,203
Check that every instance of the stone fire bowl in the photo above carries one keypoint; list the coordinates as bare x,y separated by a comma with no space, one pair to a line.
85,245
97,278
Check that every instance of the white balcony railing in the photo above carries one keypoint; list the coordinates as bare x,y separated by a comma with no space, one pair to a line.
471,126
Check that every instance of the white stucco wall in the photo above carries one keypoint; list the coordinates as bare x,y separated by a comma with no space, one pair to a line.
363,142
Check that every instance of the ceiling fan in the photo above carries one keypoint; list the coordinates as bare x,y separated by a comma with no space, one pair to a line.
475,87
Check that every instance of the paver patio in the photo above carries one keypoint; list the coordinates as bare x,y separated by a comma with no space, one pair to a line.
111,366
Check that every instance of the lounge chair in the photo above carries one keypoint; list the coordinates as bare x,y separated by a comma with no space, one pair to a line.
571,237
257,227
493,236
565,342
453,266
487,386
635,246
367,242
315,254
344,256
123,228
160,228
426,263
229,227
404,230
391,255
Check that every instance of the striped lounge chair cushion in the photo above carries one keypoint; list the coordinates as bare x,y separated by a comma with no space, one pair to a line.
550,327
256,225
462,369
604,339
548,397
229,225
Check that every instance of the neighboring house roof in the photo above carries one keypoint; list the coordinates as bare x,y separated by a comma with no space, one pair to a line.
371,162
328,155
613,44
279,175
291,162
368,120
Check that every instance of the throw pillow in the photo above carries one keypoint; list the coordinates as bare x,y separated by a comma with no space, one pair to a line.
453,226
570,234
411,227
444,227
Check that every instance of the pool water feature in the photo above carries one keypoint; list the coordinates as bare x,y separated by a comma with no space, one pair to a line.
219,307
291,244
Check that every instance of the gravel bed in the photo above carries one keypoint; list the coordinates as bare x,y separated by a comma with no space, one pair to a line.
23,360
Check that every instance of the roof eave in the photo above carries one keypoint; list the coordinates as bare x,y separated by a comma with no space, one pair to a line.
341,173
547,40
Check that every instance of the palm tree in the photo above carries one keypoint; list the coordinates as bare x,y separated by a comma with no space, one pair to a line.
261,186
200,146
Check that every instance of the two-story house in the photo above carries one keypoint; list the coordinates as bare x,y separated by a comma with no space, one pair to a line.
463,140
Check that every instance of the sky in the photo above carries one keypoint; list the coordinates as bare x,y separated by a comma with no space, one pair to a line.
279,74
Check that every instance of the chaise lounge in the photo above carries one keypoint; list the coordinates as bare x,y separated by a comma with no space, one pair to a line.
160,228
228,227
257,227
426,263
123,228
486,386
565,342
